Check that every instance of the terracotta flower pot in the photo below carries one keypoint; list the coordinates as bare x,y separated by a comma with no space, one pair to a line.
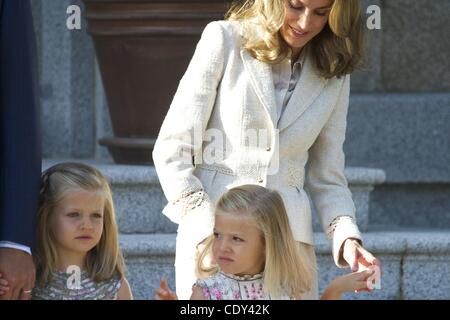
143,48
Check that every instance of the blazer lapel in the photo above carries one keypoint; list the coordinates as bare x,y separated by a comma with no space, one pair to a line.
306,91
262,81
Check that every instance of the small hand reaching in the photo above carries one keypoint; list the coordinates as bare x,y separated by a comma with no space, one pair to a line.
351,282
164,292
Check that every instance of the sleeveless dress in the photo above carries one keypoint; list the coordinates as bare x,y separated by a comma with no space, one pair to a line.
58,288
223,286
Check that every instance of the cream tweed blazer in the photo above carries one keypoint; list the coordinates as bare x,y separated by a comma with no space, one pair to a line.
221,131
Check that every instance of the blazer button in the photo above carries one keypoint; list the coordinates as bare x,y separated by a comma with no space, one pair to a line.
268,148
260,180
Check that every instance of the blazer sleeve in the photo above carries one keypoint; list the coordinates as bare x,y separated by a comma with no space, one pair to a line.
181,135
325,179
20,154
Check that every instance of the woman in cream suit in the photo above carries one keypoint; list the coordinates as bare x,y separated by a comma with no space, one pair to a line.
264,101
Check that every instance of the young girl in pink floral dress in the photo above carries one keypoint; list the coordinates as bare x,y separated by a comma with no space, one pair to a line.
252,254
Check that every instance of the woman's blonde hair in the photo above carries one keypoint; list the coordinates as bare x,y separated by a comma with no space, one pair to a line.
105,260
337,50
288,268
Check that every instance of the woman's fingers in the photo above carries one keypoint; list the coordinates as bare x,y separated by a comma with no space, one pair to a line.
367,258
350,255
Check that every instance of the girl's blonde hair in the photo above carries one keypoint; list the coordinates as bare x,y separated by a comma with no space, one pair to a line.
336,51
288,268
105,260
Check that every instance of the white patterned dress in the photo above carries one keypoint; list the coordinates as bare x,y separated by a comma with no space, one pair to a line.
223,286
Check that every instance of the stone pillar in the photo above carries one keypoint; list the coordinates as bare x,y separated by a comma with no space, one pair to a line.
66,65
369,79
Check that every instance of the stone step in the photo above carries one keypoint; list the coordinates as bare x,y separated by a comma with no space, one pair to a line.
406,135
416,264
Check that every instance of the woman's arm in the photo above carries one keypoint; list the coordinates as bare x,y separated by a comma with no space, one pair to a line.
183,129
325,179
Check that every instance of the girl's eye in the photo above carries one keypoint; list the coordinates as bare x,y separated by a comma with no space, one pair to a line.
238,239
73,214
321,14
97,215
216,235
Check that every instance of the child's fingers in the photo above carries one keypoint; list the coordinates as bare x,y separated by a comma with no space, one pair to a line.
160,290
163,284
362,286
362,275
173,296
161,293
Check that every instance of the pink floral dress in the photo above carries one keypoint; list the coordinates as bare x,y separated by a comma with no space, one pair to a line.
223,286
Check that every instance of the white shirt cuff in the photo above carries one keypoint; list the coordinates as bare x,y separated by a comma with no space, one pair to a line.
342,228
13,245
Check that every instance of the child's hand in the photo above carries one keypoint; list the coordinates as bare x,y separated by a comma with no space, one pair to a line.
3,285
352,282
164,293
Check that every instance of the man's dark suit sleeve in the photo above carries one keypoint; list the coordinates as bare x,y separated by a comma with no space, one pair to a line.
20,153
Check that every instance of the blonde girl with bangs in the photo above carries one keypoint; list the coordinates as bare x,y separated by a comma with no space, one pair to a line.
77,230
277,70
252,254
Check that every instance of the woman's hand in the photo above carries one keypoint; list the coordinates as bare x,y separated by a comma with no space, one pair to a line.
164,292
357,256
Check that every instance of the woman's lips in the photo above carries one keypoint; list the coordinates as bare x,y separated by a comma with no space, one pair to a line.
298,33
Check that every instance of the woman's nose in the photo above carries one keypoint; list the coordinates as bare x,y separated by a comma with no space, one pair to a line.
304,21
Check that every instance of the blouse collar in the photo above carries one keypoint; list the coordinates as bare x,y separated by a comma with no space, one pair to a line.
246,277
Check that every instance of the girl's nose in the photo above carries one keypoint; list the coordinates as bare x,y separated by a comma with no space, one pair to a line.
224,246
86,224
